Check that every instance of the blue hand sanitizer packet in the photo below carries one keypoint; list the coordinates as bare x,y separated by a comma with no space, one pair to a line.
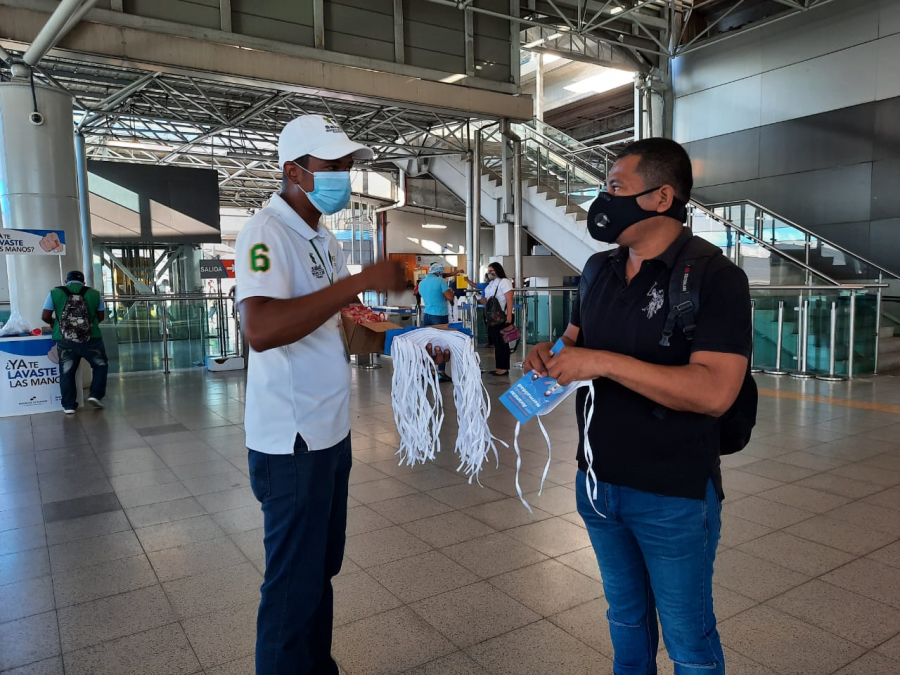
534,395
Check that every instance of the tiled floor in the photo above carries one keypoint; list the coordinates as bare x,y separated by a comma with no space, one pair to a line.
130,542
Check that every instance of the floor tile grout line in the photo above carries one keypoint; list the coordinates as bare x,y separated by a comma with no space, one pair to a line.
796,618
53,586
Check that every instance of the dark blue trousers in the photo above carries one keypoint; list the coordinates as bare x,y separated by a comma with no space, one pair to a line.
304,504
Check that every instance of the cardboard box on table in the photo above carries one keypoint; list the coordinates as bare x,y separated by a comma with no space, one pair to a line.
369,337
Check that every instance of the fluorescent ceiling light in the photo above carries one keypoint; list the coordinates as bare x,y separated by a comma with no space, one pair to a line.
610,78
454,78
533,44
616,10
138,145
554,36
433,226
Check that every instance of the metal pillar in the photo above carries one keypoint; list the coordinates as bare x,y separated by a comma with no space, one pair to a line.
852,345
476,205
470,221
831,376
367,362
878,322
505,167
539,88
164,317
517,199
753,368
638,108
84,209
803,344
550,316
778,370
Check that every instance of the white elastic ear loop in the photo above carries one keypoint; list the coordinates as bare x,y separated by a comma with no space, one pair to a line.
519,460
588,453
417,400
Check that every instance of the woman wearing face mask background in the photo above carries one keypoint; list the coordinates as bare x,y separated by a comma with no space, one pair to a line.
500,287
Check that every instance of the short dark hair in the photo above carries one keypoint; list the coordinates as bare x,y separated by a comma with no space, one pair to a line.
498,269
663,162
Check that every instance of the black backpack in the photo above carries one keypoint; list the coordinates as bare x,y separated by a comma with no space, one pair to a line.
691,264
75,322
494,313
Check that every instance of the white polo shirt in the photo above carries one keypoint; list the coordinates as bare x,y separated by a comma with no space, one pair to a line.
302,388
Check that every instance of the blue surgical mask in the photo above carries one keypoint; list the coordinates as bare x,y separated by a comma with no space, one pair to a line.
331,192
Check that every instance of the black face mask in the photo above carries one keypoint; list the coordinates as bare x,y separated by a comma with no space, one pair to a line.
611,215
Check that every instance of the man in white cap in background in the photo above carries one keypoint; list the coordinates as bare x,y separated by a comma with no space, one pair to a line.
292,282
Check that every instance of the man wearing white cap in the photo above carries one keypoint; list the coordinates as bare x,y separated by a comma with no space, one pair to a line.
292,282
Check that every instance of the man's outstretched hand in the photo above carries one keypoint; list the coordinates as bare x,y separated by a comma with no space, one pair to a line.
440,356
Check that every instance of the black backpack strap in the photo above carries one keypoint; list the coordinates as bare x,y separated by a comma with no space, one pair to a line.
590,273
65,290
682,305
83,291
684,287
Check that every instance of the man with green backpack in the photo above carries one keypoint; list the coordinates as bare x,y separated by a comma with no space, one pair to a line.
75,312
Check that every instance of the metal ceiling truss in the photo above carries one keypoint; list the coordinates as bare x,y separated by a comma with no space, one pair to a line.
129,115
633,34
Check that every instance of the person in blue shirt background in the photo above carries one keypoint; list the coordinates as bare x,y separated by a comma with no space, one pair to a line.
436,295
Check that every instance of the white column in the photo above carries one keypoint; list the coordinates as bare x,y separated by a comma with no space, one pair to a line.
38,189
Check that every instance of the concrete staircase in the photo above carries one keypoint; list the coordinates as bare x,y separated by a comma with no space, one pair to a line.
546,215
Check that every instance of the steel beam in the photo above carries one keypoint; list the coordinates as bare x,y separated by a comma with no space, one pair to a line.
399,37
515,36
225,15
469,25
66,15
319,23
214,51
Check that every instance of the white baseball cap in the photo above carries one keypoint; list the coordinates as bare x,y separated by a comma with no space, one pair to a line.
318,136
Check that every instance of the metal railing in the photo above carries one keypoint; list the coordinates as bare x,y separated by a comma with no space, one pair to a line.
169,332
785,232
826,331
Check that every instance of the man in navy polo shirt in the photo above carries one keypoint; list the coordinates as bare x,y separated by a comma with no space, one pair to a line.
652,430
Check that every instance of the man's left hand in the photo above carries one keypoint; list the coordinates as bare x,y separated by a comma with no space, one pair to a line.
574,364
440,356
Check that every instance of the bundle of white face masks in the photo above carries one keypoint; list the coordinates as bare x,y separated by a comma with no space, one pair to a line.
418,401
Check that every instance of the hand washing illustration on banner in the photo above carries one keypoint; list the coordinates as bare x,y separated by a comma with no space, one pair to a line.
33,242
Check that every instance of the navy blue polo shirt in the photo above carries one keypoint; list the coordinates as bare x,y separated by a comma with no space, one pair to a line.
636,442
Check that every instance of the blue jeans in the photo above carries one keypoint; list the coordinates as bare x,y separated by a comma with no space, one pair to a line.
436,320
656,554
70,355
304,504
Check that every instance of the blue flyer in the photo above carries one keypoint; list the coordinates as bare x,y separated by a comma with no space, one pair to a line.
534,395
